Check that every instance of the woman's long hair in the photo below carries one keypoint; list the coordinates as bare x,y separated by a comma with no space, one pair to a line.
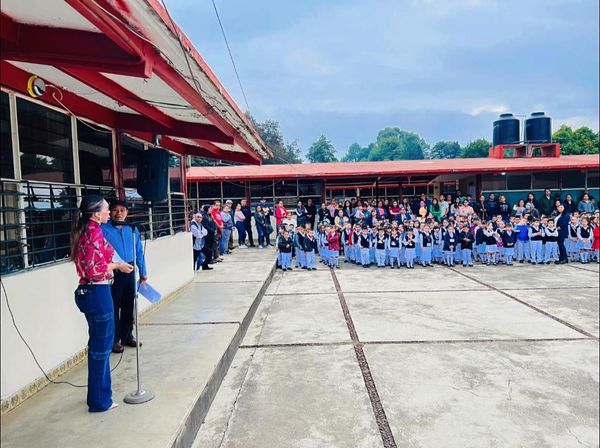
89,205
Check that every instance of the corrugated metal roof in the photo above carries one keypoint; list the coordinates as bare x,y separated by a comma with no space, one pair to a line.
392,168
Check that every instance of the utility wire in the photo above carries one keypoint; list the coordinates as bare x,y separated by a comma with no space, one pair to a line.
237,75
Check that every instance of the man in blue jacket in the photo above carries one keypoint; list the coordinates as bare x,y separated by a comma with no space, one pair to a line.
562,224
123,289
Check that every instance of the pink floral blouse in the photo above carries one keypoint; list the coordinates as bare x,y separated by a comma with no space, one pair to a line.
94,254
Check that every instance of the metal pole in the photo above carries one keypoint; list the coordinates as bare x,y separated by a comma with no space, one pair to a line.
140,395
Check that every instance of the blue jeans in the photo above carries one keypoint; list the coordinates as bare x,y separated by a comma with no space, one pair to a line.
96,303
224,241
241,229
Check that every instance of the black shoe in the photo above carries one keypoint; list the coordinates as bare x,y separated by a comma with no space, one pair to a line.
117,348
207,268
131,342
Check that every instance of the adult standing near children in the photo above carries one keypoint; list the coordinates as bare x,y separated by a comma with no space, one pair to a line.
247,211
92,255
280,213
301,213
311,212
240,225
562,224
546,203
122,238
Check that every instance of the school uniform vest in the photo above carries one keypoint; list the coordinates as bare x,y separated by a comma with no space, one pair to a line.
509,238
310,244
536,237
573,231
365,241
394,241
426,240
380,242
551,235
466,244
585,233
490,240
450,240
410,243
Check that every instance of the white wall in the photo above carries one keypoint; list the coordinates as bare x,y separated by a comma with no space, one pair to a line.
44,309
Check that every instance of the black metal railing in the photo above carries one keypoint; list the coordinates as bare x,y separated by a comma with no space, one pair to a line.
36,219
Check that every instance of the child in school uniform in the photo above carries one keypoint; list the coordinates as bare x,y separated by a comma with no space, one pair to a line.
500,243
438,243
310,245
285,245
394,248
509,241
280,231
585,240
466,238
536,235
596,241
324,245
380,247
480,242
410,245
450,241
372,250
522,247
491,243
299,247
364,241
356,243
426,246
551,249
417,233
572,239
346,240
333,242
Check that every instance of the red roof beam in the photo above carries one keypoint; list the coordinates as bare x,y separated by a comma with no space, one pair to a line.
68,48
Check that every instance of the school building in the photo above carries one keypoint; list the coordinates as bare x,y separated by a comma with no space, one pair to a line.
86,88
513,176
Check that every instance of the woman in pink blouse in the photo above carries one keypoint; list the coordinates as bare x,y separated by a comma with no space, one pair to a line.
92,256
280,213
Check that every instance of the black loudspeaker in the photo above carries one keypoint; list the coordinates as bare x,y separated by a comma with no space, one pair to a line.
153,175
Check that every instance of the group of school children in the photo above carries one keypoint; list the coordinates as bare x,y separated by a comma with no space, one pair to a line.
463,240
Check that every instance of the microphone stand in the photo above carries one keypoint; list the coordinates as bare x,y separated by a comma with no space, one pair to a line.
139,395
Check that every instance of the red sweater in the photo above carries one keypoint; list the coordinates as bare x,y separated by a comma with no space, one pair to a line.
334,241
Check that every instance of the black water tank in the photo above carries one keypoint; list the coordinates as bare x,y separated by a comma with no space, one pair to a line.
506,130
538,128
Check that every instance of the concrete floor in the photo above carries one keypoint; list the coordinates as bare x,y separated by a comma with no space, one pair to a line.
456,360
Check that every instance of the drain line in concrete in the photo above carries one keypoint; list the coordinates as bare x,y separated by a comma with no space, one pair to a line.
522,302
380,416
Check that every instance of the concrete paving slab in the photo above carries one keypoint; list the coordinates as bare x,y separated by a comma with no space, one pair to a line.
297,319
578,306
300,281
177,363
418,279
542,394
529,276
426,316
209,302
250,272
298,397
254,332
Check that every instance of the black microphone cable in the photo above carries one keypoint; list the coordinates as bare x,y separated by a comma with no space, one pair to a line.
12,317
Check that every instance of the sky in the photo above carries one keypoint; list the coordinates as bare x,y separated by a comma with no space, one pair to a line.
442,68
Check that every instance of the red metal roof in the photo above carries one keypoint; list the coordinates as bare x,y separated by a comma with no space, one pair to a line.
391,168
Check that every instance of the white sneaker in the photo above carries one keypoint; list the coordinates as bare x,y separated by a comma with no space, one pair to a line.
113,406
259,246
243,246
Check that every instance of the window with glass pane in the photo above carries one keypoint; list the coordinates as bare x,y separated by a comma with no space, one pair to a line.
492,182
11,244
175,173
48,215
44,143
518,181
408,190
209,190
131,150
286,188
6,154
95,155
592,178
309,188
392,192
573,179
545,179
234,190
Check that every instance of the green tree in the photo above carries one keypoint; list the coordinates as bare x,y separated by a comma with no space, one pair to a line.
270,131
356,153
396,144
477,148
581,141
445,150
322,151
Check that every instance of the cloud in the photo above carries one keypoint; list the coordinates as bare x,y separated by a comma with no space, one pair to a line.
492,108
